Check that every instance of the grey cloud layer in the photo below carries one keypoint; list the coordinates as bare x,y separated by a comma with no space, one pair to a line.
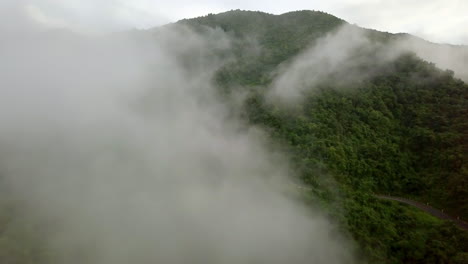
436,20
125,154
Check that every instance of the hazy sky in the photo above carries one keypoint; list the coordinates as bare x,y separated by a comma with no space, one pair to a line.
435,20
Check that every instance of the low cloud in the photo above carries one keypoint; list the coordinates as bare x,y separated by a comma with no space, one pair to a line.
451,57
121,150
349,55
341,57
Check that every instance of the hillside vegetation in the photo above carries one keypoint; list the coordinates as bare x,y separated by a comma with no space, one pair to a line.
402,131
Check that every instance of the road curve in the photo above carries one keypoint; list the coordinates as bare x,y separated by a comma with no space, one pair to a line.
425,207
428,209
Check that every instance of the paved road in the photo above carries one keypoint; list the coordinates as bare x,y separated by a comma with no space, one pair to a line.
428,209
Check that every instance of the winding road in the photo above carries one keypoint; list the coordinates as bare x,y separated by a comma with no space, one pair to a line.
425,207
428,209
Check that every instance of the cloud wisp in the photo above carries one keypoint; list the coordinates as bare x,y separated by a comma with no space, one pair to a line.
451,57
338,58
349,55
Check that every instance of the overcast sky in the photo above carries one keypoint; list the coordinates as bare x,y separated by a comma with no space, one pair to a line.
435,20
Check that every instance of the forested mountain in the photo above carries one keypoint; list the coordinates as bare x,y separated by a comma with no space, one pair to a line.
402,131
371,119
407,122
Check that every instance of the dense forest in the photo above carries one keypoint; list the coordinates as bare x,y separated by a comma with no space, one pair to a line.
387,135
401,130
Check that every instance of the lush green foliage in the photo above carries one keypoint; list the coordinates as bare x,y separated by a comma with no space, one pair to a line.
402,133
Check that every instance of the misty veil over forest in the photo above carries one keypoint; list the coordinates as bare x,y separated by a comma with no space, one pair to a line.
240,137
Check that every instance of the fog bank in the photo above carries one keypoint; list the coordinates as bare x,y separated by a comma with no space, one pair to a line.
119,147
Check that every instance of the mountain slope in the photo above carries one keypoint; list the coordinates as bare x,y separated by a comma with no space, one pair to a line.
400,131
435,103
